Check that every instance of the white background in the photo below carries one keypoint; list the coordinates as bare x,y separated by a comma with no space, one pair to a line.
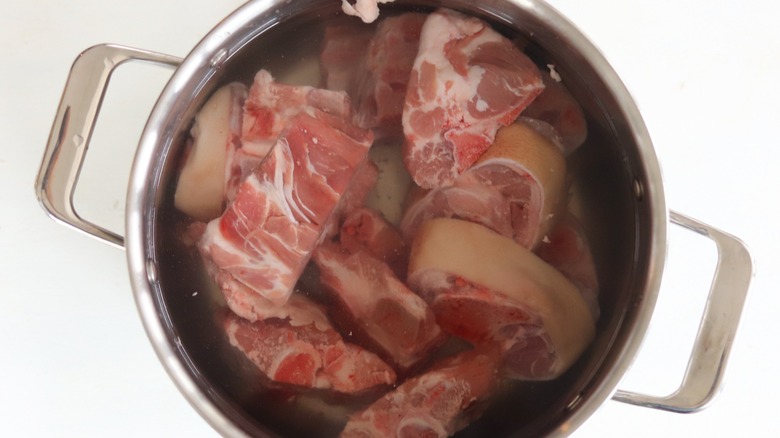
74,359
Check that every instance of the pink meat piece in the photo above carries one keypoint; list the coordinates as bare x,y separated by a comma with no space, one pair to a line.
484,317
307,355
373,67
366,230
376,306
495,195
359,188
490,291
343,55
467,82
566,248
433,404
469,198
242,162
251,306
266,236
558,107
268,109
514,189
389,61
270,105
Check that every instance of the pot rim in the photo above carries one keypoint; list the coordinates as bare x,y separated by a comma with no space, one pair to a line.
157,138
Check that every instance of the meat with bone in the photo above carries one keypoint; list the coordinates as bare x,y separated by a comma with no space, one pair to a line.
566,248
267,234
366,230
268,109
467,82
515,188
343,55
353,198
373,67
308,355
215,134
270,105
251,306
485,288
356,194
432,404
557,107
389,60
376,306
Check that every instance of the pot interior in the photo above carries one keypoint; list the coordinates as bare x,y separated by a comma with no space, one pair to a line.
614,177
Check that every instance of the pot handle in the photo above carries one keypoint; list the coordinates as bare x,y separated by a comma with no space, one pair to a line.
704,375
72,131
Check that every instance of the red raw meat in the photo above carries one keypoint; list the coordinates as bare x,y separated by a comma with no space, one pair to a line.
389,60
488,290
558,107
467,82
515,189
343,55
270,105
365,229
432,404
373,67
266,236
468,199
354,197
251,306
307,355
566,248
486,317
359,188
377,306
268,109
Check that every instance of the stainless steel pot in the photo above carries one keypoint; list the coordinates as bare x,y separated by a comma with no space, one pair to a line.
616,173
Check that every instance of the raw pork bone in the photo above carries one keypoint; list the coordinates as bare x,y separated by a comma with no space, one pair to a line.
515,189
295,343
215,137
343,55
566,248
558,107
375,78
249,305
467,82
366,230
389,60
354,197
307,355
373,304
267,234
434,404
268,110
485,288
